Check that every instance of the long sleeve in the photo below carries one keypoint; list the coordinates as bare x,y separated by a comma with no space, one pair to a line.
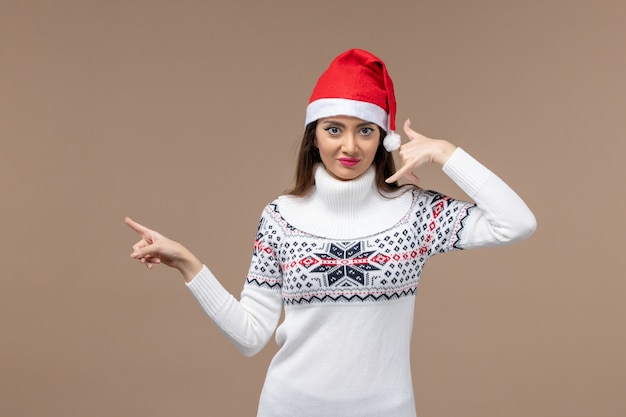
250,321
500,215
247,323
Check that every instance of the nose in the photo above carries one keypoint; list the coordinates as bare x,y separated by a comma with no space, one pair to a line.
349,144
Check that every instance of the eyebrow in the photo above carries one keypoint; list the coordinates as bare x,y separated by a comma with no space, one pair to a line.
338,123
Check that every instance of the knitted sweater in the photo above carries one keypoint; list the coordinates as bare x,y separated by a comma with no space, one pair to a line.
344,264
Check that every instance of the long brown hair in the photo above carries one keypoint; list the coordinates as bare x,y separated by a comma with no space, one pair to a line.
309,157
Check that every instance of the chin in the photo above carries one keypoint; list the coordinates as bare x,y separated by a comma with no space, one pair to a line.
347,174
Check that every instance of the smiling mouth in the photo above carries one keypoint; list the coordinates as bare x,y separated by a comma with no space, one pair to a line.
349,162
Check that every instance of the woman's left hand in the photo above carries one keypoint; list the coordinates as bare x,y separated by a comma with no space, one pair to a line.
418,151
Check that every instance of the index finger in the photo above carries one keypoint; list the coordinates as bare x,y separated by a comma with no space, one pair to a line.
136,226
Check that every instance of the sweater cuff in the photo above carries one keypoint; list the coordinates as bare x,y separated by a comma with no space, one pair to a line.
466,172
208,291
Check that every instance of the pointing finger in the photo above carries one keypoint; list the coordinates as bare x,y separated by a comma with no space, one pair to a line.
136,226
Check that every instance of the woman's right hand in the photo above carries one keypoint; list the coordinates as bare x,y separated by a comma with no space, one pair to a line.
154,248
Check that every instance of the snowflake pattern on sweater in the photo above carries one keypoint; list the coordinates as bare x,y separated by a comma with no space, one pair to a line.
387,265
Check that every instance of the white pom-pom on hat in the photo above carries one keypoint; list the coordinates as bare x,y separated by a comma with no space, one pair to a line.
392,141
356,83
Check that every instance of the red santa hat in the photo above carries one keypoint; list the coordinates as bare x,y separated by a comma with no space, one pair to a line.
356,83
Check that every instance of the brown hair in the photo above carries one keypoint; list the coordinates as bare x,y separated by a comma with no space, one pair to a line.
309,157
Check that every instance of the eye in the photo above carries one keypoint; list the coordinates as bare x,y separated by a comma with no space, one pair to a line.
332,130
366,131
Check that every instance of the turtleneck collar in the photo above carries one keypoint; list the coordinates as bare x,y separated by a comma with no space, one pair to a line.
344,209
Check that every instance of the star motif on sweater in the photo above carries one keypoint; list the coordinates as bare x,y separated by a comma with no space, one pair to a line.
346,264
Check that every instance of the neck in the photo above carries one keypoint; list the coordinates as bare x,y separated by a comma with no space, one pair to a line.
344,196
344,209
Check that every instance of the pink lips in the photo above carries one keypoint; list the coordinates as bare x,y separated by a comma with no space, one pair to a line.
349,162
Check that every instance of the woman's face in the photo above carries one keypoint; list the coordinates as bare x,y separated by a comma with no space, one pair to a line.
347,145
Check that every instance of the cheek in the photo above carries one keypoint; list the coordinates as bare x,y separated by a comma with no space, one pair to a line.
326,146
372,150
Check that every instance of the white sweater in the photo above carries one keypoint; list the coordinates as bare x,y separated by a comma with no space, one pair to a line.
344,263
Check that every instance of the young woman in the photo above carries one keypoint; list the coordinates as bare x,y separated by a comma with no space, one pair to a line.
342,253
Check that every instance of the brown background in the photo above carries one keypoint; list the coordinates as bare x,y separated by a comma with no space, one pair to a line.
186,115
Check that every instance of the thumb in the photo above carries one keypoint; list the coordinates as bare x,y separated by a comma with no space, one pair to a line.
407,129
412,134
145,251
